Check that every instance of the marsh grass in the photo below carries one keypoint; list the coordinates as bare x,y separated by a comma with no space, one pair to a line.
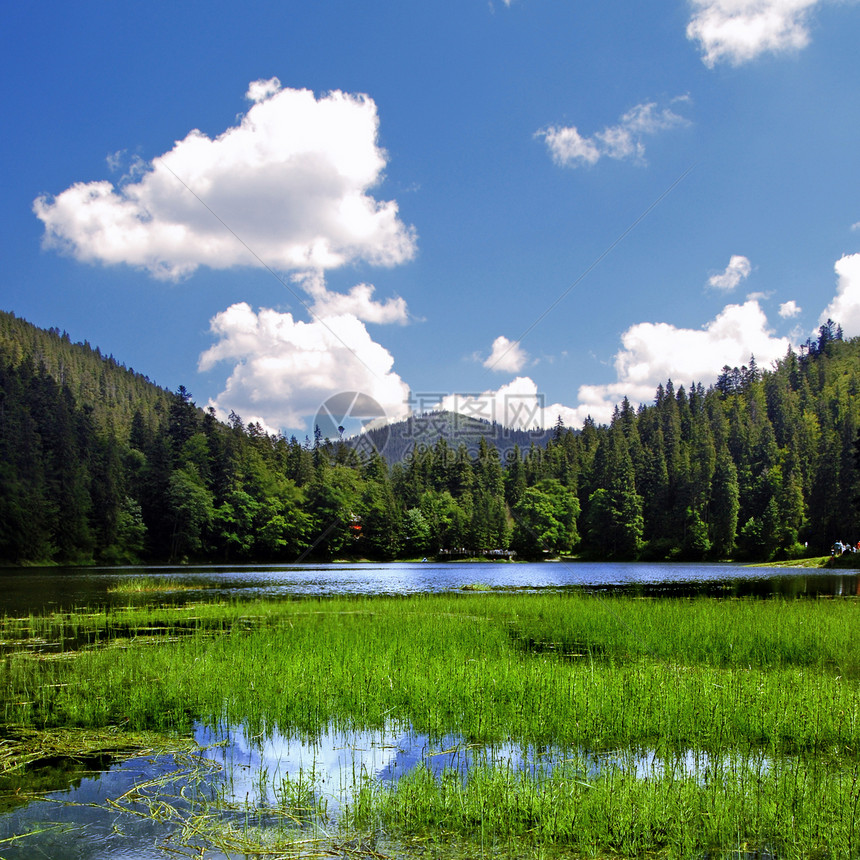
150,585
743,680
195,819
738,810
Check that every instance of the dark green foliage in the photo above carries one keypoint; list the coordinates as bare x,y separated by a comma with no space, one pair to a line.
614,521
545,520
97,464
724,507
113,392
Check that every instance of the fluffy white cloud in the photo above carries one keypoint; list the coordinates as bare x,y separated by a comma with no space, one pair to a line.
358,302
285,369
288,187
568,147
651,353
507,356
845,307
624,140
738,268
518,404
740,30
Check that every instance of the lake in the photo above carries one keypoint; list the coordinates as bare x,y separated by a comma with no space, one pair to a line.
24,590
81,817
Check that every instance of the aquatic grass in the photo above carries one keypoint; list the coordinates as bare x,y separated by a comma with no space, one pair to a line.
738,809
701,630
461,666
34,762
771,681
724,632
195,818
150,585
23,748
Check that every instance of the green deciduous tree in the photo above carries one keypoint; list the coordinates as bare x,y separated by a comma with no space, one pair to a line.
545,520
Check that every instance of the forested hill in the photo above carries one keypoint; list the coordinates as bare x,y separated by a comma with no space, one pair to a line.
111,391
99,464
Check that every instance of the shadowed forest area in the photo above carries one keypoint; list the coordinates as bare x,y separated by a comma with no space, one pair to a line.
99,464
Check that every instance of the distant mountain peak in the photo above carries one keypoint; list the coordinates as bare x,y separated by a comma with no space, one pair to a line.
400,440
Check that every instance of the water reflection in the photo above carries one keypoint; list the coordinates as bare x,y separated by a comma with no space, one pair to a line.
332,767
36,590
104,814
84,822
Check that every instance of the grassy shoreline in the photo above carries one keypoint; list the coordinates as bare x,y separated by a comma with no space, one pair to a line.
847,561
740,680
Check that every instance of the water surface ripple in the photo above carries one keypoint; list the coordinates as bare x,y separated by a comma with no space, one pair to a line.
38,589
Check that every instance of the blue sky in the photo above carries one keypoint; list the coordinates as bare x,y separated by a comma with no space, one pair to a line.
502,207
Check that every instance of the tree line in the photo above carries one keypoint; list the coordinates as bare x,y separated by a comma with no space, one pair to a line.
98,464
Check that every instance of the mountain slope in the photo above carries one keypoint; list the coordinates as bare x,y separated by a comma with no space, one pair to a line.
112,392
402,440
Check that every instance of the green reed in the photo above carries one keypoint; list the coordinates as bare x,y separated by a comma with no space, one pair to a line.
737,809
735,678
572,670
149,585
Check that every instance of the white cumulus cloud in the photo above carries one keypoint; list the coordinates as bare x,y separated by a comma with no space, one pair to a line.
358,302
287,187
737,270
737,31
652,353
285,369
621,141
844,309
518,404
789,309
507,356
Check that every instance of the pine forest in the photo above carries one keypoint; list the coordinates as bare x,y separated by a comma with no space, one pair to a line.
100,465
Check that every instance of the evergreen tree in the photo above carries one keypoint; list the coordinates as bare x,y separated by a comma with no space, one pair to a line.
615,524
97,463
724,507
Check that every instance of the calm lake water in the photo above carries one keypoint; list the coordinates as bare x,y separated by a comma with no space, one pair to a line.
243,776
81,819
50,589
